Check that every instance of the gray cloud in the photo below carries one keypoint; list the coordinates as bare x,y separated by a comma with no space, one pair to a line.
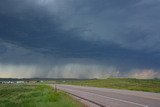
116,22
108,36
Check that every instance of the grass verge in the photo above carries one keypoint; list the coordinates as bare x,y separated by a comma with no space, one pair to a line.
34,96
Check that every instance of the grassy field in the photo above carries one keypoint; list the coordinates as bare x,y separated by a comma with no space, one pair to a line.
148,85
34,96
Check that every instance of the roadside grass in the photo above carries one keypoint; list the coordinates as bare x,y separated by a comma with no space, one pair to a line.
148,85
34,96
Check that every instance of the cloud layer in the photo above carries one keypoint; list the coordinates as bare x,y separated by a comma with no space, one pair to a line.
86,38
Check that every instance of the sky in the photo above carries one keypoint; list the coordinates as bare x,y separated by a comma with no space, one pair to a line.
79,38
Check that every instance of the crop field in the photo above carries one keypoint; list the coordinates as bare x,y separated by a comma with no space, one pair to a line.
148,85
14,95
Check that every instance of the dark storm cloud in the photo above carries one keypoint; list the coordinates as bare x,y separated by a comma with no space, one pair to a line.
123,34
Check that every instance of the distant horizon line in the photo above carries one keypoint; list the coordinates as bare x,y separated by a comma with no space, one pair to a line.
73,78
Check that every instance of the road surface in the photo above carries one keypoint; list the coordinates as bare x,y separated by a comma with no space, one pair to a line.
104,97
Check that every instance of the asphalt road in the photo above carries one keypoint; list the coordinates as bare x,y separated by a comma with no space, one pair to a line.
104,97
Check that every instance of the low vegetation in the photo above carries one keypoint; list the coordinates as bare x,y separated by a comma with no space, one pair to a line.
34,96
148,85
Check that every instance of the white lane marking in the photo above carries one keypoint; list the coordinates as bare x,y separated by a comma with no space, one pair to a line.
125,101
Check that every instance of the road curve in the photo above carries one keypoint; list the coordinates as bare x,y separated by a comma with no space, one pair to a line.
104,97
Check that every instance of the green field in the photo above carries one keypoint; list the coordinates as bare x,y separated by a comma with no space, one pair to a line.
34,96
148,85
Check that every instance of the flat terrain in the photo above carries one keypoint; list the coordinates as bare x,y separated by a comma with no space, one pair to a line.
34,96
148,85
103,97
